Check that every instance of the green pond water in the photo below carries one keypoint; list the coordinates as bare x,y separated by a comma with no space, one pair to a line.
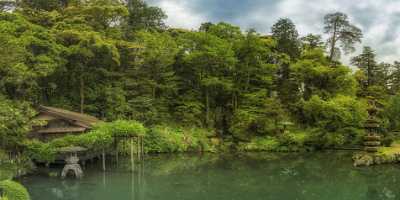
260,176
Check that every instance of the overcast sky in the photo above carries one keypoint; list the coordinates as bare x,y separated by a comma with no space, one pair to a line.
378,19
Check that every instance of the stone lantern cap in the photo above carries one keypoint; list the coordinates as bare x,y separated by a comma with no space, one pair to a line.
73,149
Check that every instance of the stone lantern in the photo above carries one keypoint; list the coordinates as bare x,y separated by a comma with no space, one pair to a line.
372,140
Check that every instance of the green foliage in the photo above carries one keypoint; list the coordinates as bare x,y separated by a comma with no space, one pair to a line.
260,116
40,151
14,191
15,122
392,113
164,139
121,128
318,78
375,75
118,61
335,122
285,33
261,144
334,114
101,137
293,140
29,53
342,32
143,16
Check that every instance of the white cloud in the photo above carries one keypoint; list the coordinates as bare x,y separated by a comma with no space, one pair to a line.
180,15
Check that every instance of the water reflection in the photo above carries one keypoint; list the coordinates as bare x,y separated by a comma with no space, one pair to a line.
314,176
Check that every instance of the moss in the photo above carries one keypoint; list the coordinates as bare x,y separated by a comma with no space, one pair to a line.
13,190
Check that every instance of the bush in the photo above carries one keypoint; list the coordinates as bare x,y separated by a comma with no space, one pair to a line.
122,128
261,116
260,144
296,139
321,138
15,122
164,139
392,111
40,151
14,191
334,114
388,139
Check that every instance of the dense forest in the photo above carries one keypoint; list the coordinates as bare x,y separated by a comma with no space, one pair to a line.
118,60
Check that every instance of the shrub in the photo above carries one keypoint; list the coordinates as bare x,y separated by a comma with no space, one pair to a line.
334,114
388,139
15,122
321,138
296,139
122,128
392,113
261,144
164,139
40,151
260,116
14,191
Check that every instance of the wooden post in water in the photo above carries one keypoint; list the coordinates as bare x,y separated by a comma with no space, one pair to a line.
132,157
141,138
138,148
116,149
103,155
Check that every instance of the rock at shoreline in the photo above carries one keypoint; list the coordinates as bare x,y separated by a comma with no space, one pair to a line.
368,159
363,160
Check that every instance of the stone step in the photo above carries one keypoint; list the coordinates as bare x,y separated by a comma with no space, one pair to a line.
372,143
372,138
371,149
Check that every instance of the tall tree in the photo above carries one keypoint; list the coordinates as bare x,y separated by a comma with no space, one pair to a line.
224,31
151,81
288,45
208,63
394,77
342,32
314,76
143,16
285,33
28,52
312,41
366,63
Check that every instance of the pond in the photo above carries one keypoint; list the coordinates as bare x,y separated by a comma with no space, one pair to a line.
258,176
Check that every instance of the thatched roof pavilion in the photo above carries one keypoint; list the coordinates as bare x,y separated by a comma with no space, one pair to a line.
60,122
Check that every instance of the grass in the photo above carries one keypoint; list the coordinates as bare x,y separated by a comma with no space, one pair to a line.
392,150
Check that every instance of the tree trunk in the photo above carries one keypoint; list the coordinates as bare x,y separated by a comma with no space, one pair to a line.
248,76
369,71
333,43
82,93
